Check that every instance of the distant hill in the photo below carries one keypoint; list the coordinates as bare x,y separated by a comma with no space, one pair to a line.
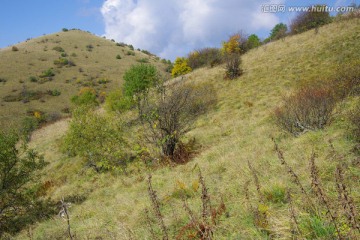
77,59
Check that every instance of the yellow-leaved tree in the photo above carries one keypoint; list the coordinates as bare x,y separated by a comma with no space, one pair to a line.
181,67
232,50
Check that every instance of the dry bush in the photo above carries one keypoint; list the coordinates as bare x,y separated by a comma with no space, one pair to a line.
347,80
305,21
307,109
204,57
170,113
233,69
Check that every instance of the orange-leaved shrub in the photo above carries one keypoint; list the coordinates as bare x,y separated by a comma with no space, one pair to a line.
309,108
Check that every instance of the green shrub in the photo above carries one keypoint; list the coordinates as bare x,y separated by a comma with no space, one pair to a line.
89,47
3,80
130,53
117,102
19,203
33,79
28,125
103,81
63,54
253,41
85,97
96,138
143,60
233,65
61,62
131,47
54,92
47,73
65,29
118,56
58,49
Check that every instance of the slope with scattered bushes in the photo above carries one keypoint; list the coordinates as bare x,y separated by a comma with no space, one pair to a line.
248,178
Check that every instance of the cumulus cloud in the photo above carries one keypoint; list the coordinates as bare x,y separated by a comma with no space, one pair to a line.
171,28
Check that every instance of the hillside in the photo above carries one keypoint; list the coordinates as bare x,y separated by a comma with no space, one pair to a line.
237,132
91,61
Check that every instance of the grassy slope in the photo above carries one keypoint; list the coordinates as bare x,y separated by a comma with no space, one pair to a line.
36,55
236,132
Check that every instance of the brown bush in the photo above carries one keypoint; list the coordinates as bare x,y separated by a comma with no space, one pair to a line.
307,109
205,57
233,69
347,81
314,18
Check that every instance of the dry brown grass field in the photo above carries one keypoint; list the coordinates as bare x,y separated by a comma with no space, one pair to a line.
237,132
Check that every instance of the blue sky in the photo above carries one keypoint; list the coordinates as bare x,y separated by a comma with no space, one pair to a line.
168,28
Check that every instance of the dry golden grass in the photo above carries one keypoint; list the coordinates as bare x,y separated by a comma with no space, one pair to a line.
237,131
37,55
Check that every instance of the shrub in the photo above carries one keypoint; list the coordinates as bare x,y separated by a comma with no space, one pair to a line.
314,18
47,73
33,79
143,60
253,41
19,203
170,113
89,47
28,125
85,97
232,50
96,138
233,69
63,54
181,67
117,102
103,81
131,47
14,49
130,53
3,80
204,57
307,109
61,62
54,92
58,49
65,29
118,56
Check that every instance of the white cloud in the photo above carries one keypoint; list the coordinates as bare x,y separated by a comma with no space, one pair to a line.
171,28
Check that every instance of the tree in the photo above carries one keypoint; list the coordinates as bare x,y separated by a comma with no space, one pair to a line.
278,32
171,113
253,41
138,79
181,67
314,18
19,203
232,51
